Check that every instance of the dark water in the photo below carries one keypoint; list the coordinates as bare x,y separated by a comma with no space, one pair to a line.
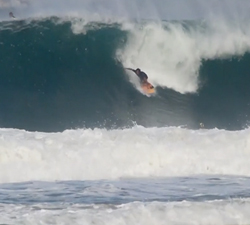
193,189
52,79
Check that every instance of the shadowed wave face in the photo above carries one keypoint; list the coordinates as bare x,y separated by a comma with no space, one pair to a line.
52,79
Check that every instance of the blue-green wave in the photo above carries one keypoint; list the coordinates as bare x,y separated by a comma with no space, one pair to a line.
52,79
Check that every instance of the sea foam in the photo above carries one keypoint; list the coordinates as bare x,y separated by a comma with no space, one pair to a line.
112,154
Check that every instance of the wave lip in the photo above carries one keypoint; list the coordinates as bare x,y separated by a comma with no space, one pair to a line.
174,52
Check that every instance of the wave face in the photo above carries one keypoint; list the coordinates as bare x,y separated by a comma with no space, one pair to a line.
58,74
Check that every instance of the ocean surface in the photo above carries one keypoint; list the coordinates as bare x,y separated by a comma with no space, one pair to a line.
80,143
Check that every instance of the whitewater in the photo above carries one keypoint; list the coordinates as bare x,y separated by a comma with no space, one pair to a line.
128,153
80,143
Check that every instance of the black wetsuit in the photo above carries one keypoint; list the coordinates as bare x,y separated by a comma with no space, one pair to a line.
142,76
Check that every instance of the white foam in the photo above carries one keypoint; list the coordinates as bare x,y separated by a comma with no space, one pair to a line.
212,212
172,56
138,152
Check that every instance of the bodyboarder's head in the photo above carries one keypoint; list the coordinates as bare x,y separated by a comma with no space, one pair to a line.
137,71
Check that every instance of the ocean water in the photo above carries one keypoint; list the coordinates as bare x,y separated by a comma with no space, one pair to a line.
80,143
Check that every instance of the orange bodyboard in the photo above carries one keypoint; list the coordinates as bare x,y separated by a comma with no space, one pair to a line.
148,88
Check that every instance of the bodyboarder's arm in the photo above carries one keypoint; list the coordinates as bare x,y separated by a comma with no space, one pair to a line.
130,69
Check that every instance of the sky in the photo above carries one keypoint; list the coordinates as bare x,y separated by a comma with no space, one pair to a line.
139,9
